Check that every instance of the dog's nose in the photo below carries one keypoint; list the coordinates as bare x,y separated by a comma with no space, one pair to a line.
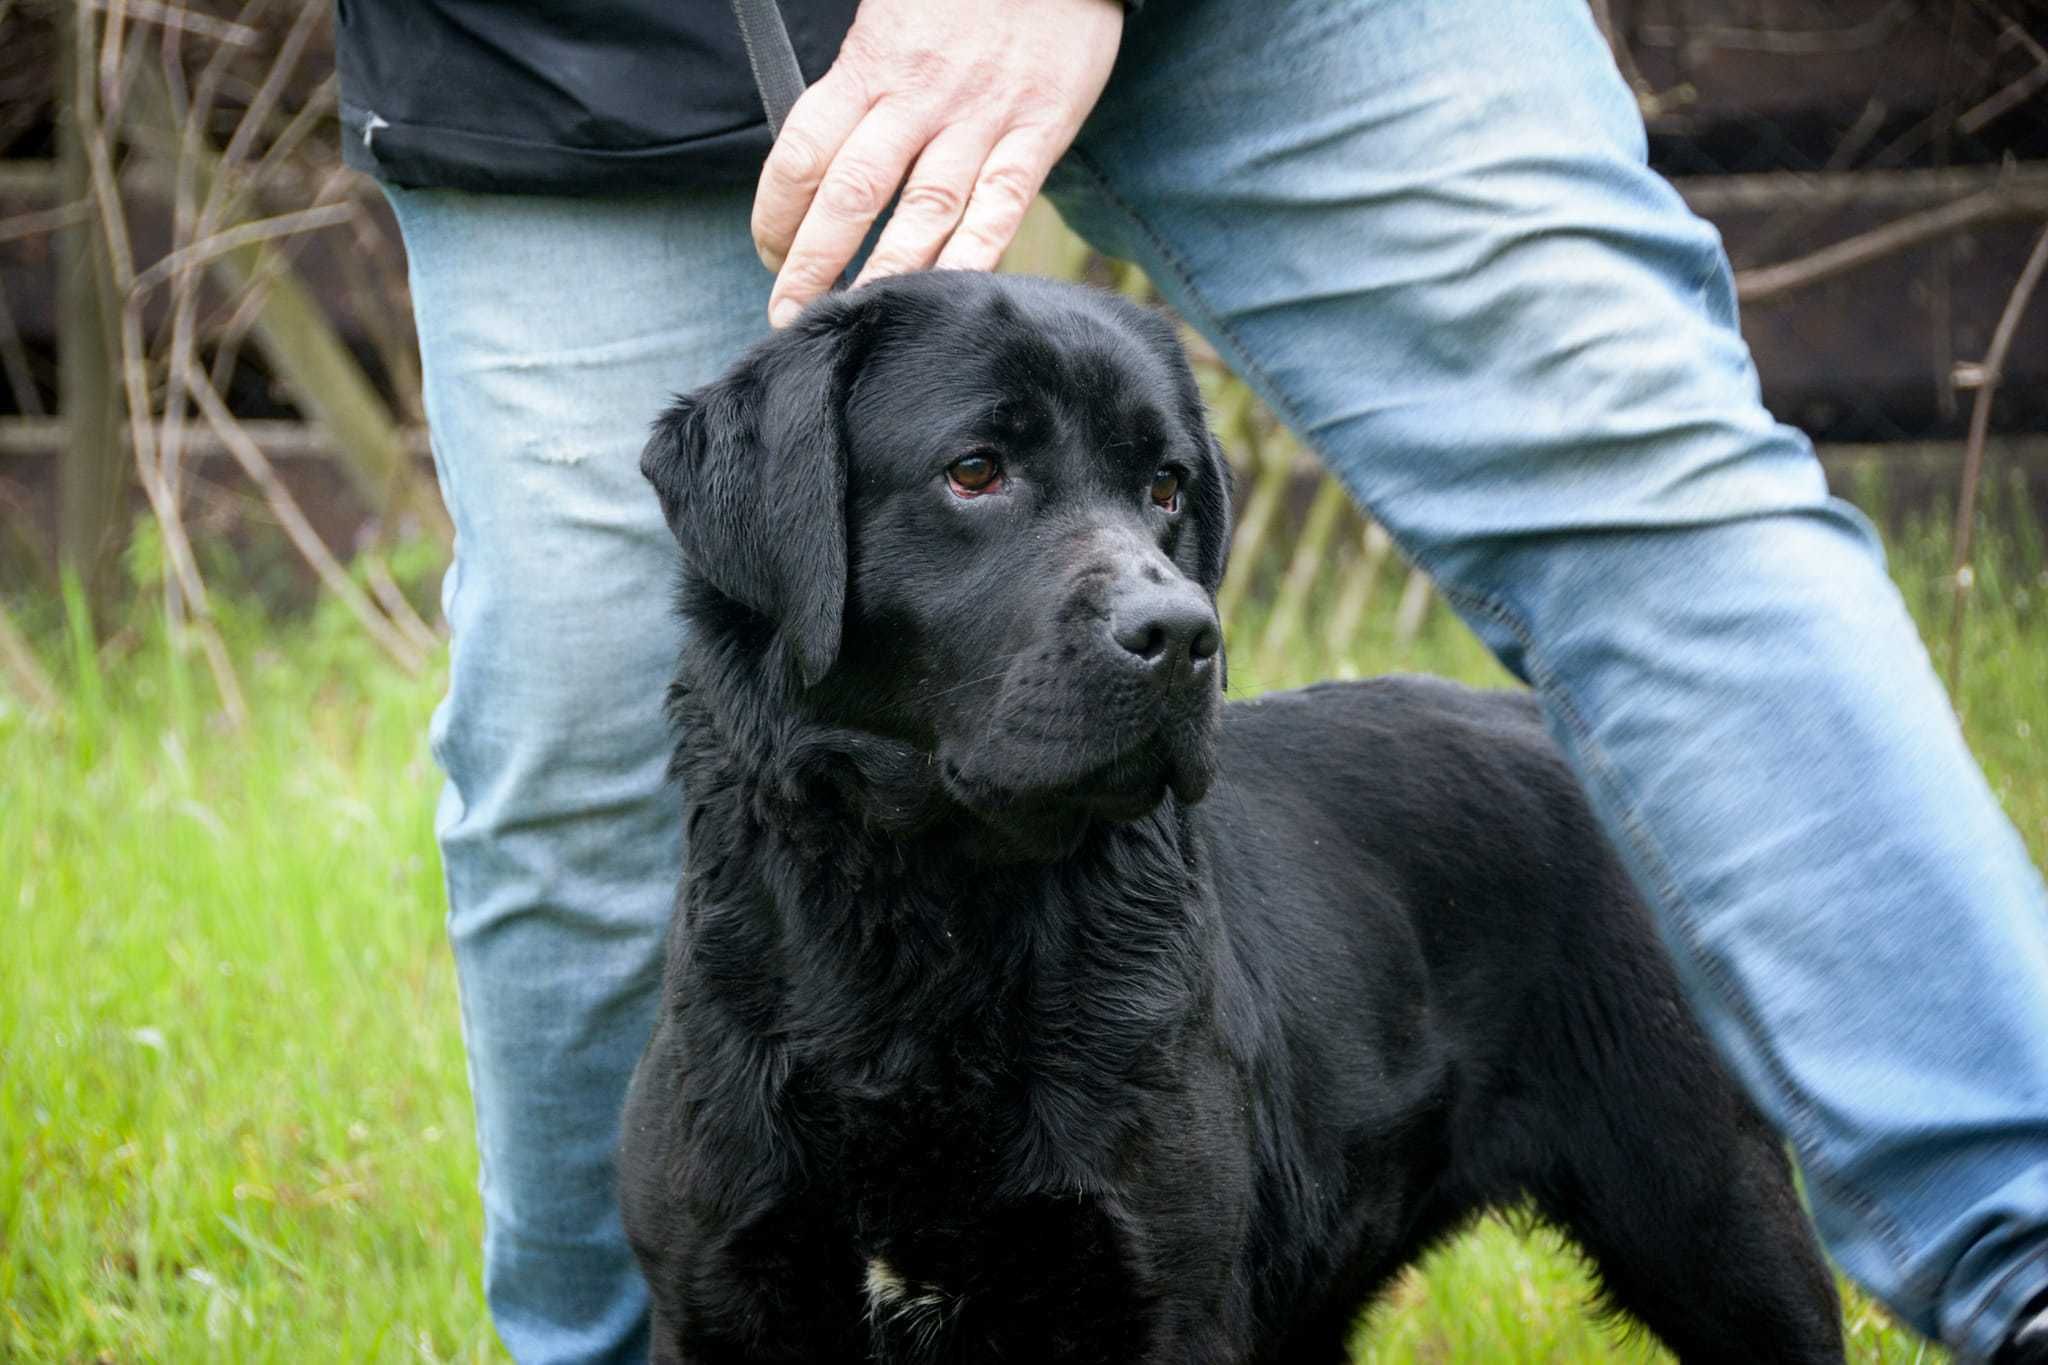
1167,626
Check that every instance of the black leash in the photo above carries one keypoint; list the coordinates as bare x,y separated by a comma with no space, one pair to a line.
773,59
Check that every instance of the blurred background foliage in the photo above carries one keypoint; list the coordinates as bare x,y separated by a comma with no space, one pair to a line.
232,1111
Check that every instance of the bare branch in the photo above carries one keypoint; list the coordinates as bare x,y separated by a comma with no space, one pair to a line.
235,238
2007,99
113,224
332,575
392,598
43,221
1768,282
1872,190
282,439
1990,371
281,67
185,20
1785,42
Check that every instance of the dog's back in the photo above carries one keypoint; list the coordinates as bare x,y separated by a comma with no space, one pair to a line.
1475,1012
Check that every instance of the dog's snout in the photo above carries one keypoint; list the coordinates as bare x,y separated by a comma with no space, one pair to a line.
1167,626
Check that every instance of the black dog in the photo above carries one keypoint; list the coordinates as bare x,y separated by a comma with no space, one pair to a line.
985,1037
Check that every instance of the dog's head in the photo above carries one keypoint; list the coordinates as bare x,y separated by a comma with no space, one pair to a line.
980,516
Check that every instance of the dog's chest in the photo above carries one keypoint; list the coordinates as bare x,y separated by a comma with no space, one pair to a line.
982,1144
980,1213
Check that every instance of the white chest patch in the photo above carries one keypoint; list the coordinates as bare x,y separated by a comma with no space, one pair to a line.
899,1305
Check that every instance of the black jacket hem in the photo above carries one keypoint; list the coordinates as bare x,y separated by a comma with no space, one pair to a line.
413,155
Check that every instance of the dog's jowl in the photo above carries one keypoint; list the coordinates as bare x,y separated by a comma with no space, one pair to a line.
1027,1004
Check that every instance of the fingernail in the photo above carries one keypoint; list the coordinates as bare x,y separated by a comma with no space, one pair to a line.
783,312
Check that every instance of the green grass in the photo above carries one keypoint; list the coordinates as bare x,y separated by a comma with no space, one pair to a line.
233,1118
234,1123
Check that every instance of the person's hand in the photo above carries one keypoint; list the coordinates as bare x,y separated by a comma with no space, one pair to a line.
964,104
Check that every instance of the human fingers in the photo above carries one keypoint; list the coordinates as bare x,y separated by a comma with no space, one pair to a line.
931,204
1010,178
817,127
854,190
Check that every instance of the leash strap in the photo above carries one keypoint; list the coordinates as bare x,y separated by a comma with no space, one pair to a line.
776,74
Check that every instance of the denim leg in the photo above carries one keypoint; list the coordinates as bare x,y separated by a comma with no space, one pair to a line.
552,331
1424,230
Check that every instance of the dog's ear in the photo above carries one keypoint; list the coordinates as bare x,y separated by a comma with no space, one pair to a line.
1212,514
1212,531
751,473
1212,510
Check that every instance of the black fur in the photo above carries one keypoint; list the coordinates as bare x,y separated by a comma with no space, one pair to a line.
1026,1004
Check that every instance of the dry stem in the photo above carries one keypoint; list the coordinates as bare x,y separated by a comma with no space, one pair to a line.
1990,372
391,639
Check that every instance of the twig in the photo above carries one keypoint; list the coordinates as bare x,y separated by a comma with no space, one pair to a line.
229,336
196,213
1941,292
1989,373
282,439
112,45
23,671
267,95
187,21
1788,216
1785,42
320,104
2008,99
1768,282
235,238
332,575
43,221
1864,188
324,378
113,224
392,598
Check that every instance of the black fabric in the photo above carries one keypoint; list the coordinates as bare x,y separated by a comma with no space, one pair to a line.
561,96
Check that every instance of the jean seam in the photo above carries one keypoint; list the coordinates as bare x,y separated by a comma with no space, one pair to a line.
1800,1107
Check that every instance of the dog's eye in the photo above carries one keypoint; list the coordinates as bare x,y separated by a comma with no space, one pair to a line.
1166,489
974,474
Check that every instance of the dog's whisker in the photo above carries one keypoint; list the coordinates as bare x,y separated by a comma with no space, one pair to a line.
1003,668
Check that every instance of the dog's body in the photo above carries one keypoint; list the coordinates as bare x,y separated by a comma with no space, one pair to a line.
997,1026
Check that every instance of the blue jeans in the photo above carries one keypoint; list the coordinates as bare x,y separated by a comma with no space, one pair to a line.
1424,231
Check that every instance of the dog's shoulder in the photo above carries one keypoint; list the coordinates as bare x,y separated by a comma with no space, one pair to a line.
1409,793
1399,744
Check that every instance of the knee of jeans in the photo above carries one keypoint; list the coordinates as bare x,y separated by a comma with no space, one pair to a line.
555,707
1765,581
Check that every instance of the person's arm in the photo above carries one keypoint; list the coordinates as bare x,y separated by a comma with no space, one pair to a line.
963,104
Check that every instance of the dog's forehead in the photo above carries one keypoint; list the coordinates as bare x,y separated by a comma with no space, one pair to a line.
1017,370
